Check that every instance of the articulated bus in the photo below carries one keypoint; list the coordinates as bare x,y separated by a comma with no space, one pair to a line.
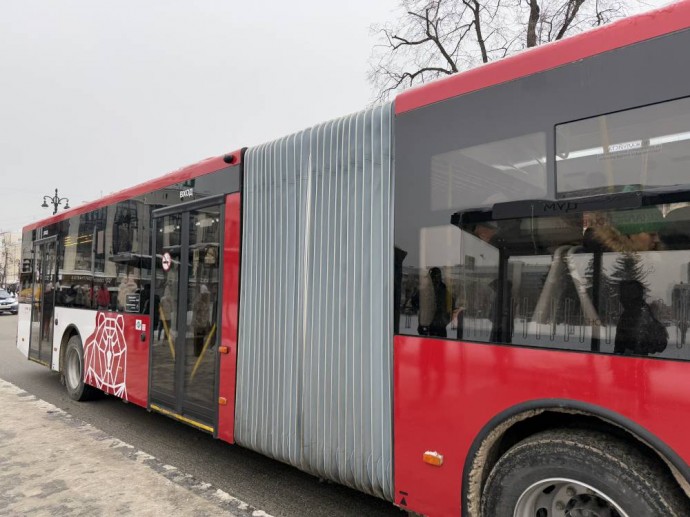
472,300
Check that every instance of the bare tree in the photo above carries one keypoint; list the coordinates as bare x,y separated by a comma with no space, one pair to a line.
434,38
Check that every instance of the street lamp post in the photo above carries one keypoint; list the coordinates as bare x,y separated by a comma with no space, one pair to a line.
56,201
3,273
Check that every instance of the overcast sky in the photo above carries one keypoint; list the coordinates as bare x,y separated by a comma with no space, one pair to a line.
96,95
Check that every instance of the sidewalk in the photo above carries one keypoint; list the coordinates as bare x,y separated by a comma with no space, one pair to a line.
53,464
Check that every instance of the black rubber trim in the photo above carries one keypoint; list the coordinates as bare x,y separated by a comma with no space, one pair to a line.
68,328
555,404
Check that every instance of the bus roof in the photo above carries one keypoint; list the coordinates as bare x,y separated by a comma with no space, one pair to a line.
191,171
619,34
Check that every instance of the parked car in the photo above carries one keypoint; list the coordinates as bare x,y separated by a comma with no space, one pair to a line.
8,302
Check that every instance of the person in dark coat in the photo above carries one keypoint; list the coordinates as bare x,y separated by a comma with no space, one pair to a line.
441,311
638,332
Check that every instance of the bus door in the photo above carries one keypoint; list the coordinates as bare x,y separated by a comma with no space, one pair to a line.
43,301
184,334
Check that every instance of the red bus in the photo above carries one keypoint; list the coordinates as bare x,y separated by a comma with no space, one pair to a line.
473,300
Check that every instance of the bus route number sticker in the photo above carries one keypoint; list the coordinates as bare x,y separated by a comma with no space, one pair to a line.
167,261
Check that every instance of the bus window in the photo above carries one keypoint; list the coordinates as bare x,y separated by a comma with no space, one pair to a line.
635,149
489,173
447,275
123,259
608,281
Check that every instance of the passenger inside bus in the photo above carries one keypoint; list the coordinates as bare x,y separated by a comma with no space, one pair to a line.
625,231
485,230
569,281
577,281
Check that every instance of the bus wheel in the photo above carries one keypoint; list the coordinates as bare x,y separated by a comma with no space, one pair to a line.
74,371
579,472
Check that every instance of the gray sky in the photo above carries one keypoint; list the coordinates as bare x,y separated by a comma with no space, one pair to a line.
96,96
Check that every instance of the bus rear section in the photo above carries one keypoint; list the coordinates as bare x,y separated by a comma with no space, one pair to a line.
542,225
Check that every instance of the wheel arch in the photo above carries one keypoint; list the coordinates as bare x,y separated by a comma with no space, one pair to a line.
70,331
522,420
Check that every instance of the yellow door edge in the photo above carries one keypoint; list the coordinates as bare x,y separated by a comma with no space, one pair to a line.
181,418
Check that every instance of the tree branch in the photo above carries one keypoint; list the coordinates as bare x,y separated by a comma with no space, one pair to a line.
534,11
473,6
572,8
434,38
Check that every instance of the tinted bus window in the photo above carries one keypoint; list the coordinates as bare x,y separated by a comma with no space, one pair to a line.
75,274
430,252
607,281
489,173
630,150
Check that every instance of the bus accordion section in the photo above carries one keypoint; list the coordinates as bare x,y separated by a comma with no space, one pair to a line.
314,386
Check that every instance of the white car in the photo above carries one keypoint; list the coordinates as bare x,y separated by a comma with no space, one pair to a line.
8,302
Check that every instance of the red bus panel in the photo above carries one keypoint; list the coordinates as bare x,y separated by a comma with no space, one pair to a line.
230,312
116,355
445,392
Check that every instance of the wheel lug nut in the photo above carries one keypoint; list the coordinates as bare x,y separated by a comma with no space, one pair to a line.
570,491
560,506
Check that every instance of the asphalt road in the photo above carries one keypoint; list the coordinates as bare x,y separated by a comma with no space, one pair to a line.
274,487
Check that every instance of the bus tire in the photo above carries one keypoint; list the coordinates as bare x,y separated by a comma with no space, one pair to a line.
561,471
74,372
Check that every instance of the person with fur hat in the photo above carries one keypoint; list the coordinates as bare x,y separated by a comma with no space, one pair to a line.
627,231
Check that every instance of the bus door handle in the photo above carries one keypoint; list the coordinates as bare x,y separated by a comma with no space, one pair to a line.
143,336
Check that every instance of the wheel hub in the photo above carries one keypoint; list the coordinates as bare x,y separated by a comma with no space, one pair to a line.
560,497
585,505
